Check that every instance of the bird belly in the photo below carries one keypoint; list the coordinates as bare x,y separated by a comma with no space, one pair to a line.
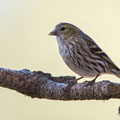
84,72
79,66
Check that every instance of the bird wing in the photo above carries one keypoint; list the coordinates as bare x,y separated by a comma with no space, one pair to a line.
95,49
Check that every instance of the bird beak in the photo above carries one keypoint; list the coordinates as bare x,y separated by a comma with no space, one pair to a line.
54,32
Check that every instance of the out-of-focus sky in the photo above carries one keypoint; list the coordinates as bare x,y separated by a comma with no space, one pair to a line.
24,43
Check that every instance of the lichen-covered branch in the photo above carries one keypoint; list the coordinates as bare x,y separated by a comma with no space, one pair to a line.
43,85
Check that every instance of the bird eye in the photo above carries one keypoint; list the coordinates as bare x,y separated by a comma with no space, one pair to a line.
62,29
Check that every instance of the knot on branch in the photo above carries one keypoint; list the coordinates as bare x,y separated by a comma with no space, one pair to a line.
113,89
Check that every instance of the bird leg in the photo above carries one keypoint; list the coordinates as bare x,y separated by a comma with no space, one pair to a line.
92,81
74,81
79,78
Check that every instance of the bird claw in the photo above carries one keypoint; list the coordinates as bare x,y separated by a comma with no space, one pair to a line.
90,83
71,82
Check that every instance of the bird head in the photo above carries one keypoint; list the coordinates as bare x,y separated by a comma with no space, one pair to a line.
65,31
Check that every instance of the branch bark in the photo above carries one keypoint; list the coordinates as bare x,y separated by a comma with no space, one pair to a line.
43,85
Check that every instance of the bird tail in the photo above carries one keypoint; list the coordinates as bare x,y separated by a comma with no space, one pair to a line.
116,72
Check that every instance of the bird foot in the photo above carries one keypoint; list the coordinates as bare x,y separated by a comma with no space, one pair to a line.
90,83
71,82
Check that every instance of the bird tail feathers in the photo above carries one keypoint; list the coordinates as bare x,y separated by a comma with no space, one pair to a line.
116,72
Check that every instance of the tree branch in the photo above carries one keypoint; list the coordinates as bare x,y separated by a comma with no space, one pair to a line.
43,85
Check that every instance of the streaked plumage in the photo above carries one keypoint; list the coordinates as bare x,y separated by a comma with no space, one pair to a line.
81,53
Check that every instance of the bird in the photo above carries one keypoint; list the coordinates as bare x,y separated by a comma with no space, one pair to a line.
81,53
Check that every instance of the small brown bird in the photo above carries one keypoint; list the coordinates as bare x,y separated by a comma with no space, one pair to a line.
81,53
